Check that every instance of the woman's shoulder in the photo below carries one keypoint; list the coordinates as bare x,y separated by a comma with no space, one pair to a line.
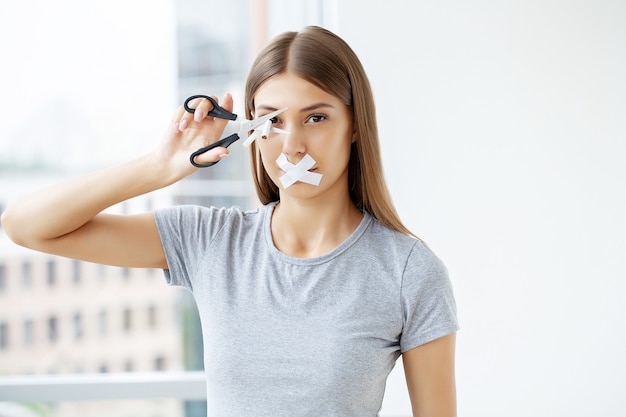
388,236
403,246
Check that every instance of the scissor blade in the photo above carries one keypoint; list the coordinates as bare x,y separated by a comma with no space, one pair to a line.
248,125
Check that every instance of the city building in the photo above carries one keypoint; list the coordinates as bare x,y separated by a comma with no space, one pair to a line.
63,316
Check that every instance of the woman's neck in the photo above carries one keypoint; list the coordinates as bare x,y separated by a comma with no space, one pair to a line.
306,229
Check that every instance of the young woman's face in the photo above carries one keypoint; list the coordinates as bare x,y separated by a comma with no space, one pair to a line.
320,125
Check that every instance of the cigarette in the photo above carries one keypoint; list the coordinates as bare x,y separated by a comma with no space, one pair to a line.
266,129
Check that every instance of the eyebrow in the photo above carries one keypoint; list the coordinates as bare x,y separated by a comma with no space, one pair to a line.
314,106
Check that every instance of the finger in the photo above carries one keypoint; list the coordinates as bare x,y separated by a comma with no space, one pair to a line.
177,117
228,102
203,107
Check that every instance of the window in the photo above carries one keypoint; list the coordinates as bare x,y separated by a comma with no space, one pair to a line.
212,59
159,363
52,272
28,332
4,335
76,272
27,275
77,325
103,319
3,277
127,319
53,331
152,317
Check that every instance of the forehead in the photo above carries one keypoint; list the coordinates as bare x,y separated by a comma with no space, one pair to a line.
290,90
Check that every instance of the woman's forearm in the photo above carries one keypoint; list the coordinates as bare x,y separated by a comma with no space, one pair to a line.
63,208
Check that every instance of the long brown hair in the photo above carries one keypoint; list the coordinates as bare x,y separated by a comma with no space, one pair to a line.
327,61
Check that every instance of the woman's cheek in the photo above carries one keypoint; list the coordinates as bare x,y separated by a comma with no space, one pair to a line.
269,162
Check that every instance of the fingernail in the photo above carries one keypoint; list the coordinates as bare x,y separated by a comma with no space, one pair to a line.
197,116
223,155
182,125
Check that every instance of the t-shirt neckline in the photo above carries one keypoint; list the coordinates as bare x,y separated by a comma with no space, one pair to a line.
343,246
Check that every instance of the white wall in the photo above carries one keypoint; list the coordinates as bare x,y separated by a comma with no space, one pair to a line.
503,128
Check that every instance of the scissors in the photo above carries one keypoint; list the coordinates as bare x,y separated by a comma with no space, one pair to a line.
240,127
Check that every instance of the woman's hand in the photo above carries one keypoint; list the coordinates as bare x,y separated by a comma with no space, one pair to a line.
189,132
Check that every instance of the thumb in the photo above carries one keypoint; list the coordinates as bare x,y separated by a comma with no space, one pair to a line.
227,102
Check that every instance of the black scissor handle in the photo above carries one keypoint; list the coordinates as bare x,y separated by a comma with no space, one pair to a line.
225,142
219,112
216,111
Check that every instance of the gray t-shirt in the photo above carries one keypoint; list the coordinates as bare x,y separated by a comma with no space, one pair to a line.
290,337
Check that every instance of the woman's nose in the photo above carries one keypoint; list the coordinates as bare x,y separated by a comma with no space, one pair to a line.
294,142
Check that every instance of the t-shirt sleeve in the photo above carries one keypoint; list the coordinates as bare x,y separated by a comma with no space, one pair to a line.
186,232
427,299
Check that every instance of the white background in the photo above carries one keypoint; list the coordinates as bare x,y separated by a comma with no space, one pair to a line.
503,132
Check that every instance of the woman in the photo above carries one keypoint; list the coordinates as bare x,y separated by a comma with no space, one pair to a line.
306,302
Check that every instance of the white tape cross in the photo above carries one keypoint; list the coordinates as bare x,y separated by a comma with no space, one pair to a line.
298,172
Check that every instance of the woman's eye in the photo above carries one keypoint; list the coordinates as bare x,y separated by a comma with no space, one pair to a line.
316,118
274,119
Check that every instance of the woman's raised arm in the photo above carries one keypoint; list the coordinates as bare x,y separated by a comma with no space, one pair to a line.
67,220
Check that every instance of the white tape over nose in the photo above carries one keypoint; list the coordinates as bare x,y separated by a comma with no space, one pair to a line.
299,171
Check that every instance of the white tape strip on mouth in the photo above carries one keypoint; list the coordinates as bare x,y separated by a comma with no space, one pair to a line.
263,131
298,172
